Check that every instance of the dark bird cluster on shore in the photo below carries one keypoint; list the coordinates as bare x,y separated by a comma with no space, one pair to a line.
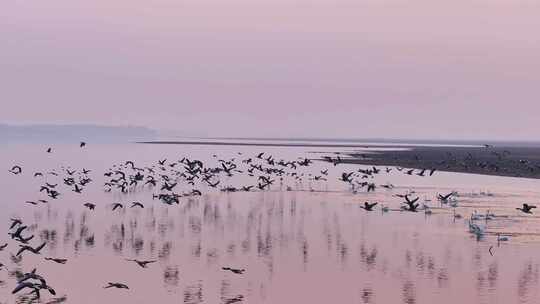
425,160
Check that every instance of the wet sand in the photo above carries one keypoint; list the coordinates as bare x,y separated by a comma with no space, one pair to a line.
499,161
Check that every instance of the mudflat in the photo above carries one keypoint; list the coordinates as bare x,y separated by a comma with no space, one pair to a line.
500,161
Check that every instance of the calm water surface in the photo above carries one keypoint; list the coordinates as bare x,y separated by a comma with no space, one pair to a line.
311,245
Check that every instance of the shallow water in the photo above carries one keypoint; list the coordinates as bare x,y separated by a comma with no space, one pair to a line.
313,245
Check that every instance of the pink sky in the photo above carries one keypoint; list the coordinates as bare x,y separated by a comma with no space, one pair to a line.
395,68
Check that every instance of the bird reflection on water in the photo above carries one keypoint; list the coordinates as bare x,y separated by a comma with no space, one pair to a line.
272,243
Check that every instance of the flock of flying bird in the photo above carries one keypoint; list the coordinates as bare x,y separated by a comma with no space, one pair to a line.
172,181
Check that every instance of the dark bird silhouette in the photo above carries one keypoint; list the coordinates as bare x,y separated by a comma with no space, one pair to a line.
233,270
143,264
31,249
411,204
77,189
116,285
137,204
15,222
526,208
49,150
346,177
445,198
25,240
368,207
168,187
17,233
3,246
82,144
213,185
90,206
36,287
238,298
16,169
116,206
59,261
53,194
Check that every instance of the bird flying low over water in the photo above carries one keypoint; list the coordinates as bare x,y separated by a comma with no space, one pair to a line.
346,177
36,287
445,198
368,207
137,204
15,222
17,235
526,208
90,206
16,169
143,264
31,249
233,270
116,285
411,204
59,261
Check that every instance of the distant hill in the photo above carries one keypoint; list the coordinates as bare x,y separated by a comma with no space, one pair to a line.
74,133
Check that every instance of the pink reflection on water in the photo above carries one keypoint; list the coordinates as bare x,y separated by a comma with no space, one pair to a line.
296,247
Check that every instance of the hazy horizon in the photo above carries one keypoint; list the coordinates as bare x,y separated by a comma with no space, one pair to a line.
58,133
344,69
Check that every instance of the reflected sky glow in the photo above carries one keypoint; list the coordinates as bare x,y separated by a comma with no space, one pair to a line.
296,246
